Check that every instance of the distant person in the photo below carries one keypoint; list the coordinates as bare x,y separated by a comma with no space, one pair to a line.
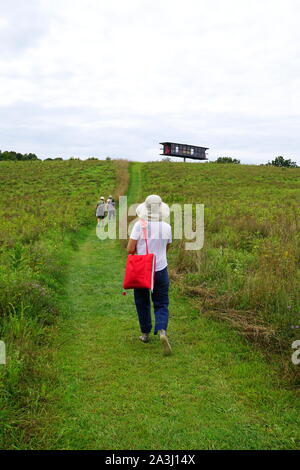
159,236
100,210
112,200
111,207
105,208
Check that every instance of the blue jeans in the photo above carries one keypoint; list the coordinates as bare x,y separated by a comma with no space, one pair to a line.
160,299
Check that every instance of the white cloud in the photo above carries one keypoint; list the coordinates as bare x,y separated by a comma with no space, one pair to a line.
21,26
91,77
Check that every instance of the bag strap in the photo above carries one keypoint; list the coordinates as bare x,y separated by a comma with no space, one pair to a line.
144,229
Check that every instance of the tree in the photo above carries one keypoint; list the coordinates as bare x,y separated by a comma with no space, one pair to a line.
227,160
29,156
10,155
282,162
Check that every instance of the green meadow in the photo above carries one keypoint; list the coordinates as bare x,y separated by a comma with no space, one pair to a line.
248,272
77,376
43,206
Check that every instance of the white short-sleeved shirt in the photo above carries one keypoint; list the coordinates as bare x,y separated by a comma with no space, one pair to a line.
159,235
100,209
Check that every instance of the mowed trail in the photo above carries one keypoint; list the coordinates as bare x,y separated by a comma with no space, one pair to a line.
113,392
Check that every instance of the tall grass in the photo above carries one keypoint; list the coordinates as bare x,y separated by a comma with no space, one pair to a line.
248,270
43,205
122,177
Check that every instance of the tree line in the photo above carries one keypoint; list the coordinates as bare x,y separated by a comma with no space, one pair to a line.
15,156
10,155
279,161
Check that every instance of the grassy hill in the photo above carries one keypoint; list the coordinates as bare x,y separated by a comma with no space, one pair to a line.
77,377
248,271
43,205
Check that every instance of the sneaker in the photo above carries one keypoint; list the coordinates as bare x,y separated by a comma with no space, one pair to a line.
165,343
144,338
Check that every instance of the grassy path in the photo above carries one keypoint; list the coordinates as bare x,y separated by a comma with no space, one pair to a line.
114,392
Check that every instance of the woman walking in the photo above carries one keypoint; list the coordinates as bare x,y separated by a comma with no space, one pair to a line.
100,209
111,207
159,235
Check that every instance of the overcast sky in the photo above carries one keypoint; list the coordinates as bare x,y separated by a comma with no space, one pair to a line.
115,78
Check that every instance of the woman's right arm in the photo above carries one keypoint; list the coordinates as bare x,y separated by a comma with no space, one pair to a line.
131,247
135,234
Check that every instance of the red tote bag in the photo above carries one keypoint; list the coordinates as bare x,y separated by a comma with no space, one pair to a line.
140,269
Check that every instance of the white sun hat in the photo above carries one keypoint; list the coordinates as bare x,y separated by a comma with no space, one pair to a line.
153,209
